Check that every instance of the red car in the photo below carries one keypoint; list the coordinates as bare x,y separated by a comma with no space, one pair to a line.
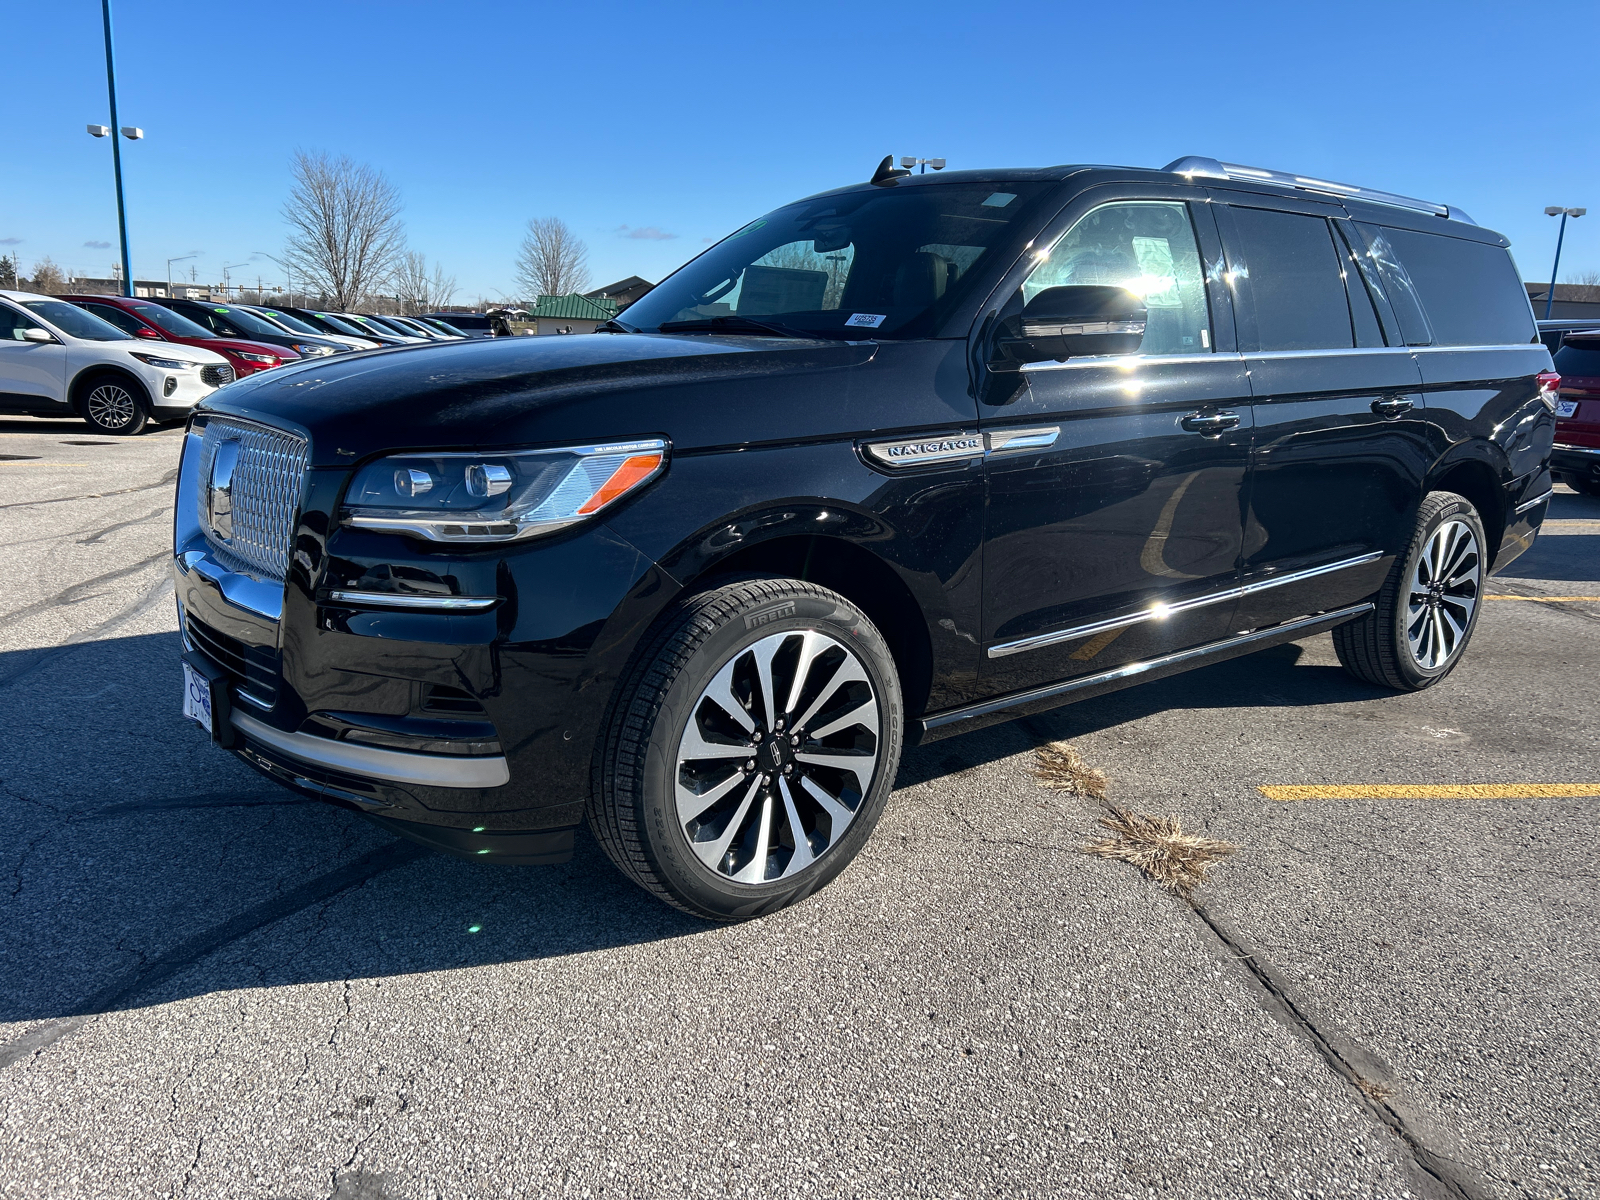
158,324
1576,458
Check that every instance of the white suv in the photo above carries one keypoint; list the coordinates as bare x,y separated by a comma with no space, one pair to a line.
57,360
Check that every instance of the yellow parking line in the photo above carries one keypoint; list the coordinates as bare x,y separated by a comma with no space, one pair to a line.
1550,599
1430,791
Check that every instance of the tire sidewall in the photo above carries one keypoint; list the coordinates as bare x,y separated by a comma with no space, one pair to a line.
788,610
141,405
1455,508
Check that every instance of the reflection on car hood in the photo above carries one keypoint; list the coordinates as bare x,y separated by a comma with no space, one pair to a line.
508,391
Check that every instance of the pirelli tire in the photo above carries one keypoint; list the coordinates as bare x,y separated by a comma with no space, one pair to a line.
750,750
1425,614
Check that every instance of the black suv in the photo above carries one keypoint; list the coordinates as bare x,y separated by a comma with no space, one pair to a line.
888,464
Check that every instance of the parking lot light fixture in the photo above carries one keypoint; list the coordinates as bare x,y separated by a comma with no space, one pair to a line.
99,130
170,261
225,271
116,151
1555,210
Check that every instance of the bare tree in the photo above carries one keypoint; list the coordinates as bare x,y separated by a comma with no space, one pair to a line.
419,292
552,261
345,231
47,278
1583,286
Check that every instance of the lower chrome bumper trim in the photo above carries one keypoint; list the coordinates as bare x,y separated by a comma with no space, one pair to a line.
393,766
1534,503
1563,448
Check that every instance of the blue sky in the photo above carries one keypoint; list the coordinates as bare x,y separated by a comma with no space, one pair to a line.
652,129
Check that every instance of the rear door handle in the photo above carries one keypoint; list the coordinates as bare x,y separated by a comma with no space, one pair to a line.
1210,424
1392,406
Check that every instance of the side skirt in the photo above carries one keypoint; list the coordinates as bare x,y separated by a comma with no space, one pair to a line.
1052,695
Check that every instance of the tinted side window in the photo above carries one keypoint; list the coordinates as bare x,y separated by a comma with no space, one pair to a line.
1581,360
1380,257
1295,278
126,322
12,323
1148,248
1470,290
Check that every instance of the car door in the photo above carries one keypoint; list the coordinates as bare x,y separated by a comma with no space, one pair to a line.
1115,483
29,371
1340,446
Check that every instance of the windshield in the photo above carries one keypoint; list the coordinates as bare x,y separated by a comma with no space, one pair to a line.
469,321
247,321
889,262
168,321
443,326
344,325
75,322
292,323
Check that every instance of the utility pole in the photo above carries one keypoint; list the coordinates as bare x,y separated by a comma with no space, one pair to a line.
116,153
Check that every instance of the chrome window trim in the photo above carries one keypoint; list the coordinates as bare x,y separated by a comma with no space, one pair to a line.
1131,360
1128,671
393,600
393,766
1160,612
1534,503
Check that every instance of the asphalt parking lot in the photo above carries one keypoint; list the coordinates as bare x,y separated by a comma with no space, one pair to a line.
210,987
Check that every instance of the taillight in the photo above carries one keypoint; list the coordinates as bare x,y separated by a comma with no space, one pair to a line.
1549,383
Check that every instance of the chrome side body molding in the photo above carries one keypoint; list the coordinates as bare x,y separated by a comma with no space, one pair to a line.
395,766
966,444
1159,612
1283,632
413,602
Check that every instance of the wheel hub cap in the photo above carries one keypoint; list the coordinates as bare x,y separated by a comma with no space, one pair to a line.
1444,593
777,756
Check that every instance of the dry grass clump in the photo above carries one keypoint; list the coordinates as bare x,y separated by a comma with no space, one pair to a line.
1062,767
1160,848
1381,1092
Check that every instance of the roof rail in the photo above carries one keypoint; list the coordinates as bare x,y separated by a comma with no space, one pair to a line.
1193,164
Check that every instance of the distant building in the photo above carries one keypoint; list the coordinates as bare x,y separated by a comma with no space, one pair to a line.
572,313
149,288
1572,300
623,291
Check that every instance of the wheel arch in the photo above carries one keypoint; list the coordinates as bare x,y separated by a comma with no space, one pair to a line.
1481,484
78,388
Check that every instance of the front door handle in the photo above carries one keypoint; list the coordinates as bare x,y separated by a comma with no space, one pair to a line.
1392,406
1210,424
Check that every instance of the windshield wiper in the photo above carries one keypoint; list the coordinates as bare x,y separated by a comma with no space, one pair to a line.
614,326
734,324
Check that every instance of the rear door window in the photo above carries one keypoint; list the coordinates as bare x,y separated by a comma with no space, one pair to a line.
124,321
1471,290
1294,276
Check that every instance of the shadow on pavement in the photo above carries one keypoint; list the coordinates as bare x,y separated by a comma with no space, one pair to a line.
143,861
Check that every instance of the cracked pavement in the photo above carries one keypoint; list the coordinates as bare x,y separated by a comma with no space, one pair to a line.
210,987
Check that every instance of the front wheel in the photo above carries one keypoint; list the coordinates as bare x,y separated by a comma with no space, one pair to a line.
1428,608
752,749
114,406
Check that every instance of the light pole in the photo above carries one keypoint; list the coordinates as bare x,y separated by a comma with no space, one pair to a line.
288,273
170,261
132,133
1555,210
225,271
922,164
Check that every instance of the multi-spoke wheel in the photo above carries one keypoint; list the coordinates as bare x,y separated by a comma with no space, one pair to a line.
1424,616
110,404
1444,593
751,750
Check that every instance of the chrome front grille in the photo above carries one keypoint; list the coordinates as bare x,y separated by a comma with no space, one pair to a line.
266,483
216,374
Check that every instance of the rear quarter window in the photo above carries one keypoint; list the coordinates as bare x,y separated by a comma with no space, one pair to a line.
1471,290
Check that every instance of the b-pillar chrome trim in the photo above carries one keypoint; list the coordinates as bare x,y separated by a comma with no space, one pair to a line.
1160,612
1131,670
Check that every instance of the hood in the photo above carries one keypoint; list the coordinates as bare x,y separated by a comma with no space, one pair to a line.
240,345
185,349
538,390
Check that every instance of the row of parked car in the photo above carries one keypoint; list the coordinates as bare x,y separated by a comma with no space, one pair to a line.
97,356
1575,346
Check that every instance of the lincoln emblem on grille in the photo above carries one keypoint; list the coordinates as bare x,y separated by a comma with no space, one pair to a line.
219,489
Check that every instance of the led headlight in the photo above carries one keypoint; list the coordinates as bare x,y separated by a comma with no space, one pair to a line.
266,360
166,364
498,497
310,350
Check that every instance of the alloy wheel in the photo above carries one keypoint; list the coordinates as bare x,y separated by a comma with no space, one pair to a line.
111,406
1444,593
777,756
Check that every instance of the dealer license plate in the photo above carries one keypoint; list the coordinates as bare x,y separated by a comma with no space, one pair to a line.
196,697
1566,408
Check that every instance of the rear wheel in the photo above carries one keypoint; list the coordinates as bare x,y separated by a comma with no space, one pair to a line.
114,405
1583,485
751,751
1428,608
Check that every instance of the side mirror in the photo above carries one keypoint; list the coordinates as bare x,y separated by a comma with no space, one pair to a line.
35,334
145,331
1066,322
